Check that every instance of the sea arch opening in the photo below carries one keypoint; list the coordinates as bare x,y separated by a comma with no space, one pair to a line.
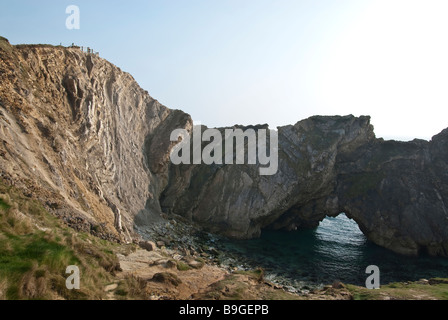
341,248
332,249
338,232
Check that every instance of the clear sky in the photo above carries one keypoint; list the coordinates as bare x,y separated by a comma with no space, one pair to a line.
231,62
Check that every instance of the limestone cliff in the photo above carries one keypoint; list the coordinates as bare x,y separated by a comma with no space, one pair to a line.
74,132
81,135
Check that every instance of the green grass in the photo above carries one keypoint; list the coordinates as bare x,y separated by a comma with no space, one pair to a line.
182,266
22,254
131,288
4,205
256,274
403,291
36,248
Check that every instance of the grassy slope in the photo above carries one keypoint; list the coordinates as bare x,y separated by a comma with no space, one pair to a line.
36,248
436,289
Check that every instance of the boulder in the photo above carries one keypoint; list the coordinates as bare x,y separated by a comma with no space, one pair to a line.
166,278
147,245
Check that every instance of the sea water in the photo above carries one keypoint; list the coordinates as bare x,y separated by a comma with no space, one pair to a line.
335,251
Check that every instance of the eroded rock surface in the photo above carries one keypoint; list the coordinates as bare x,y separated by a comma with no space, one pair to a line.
76,132
81,135
395,191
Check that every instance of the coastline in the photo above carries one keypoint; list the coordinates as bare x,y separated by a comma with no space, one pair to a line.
184,239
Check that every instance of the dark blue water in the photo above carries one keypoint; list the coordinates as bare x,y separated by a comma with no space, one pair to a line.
336,250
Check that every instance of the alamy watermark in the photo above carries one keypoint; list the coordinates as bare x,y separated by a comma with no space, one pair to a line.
228,147
73,21
73,280
373,281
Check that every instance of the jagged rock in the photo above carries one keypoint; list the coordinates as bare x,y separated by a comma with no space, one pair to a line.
75,128
171,264
80,134
395,191
148,245
236,201
194,263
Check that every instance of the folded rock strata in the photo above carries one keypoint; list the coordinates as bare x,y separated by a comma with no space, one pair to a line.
81,135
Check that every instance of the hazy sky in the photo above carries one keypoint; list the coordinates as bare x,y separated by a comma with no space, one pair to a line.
248,62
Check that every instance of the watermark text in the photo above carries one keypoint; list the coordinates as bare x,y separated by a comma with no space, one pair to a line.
230,149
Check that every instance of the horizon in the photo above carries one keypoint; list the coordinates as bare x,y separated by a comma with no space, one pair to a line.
257,62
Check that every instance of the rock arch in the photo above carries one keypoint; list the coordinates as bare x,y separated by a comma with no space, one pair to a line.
395,191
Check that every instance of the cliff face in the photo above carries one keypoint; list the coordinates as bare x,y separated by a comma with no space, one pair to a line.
395,191
74,129
82,136
237,201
